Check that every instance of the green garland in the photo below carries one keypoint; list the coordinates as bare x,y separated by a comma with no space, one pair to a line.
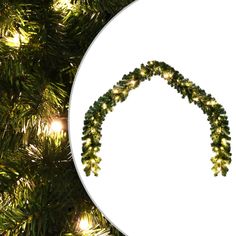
96,114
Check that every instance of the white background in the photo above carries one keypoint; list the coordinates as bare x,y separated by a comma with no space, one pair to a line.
156,176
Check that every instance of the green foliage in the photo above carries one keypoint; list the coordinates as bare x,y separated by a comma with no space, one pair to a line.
41,46
96,114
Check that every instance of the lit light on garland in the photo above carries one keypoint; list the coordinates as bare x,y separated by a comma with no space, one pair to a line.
84,224
56,126
14,41
17,39
96,114
62,5
54,130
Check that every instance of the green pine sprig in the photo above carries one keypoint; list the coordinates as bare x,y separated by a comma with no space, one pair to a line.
96,114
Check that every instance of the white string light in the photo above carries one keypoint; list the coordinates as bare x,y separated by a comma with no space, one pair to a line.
17,39
84,223
56,126
62,5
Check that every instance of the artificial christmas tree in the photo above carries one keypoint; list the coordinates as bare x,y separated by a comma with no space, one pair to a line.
41,46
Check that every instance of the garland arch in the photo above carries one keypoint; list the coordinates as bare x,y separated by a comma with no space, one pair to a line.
94,117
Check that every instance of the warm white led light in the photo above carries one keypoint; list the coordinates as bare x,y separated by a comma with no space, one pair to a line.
84,224
56,126
143,72
13,41
17,39
104,106
62,4
167,75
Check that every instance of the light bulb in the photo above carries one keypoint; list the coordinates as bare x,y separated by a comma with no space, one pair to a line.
132,83
104,106
84,224
56,126
93,130
188,83
143,72
62,4
115,90
218,130
125,92
196,99
212,102
88,141
117,98
17,39
167,75
14,41
224,142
